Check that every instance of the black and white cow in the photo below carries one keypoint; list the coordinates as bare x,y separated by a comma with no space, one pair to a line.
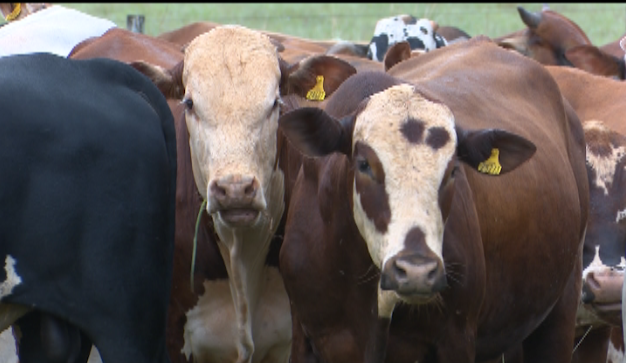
420,34
87,197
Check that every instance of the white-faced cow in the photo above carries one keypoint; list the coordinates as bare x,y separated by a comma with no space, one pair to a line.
443,216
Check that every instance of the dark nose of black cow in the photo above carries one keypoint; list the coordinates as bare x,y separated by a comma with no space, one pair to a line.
235,191
413,274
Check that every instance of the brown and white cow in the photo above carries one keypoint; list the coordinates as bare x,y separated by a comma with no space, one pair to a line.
396,233
230,154
552,39
598,101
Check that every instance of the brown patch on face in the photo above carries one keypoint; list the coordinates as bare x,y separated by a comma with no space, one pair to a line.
415,240
413,130
369,180
437,137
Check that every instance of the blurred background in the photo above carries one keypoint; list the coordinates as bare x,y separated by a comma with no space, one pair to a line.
603,22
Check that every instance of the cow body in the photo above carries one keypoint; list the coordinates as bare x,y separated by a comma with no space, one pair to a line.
228,303
484,289
598,101
88,179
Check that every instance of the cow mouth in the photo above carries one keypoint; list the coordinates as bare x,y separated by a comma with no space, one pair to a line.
417,298
239,216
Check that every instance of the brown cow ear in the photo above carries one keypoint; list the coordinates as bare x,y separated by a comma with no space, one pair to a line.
593,60
317,77
396,54
316,133
169,81
493,151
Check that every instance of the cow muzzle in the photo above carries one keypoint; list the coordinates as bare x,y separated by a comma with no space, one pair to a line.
602,294
413,276
237,199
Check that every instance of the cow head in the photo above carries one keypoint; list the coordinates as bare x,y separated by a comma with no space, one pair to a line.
230,81
404,148
547,37
605,240
420,34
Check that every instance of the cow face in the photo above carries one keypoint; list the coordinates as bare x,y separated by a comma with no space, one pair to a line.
605,240
231,77
404,148
399,165
420,34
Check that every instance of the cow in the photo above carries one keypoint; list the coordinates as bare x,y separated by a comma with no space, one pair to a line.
88,175
47,28
420,33
547,37
598,101
226,93
409,230
552,39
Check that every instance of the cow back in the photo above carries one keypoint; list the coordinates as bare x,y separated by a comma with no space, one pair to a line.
88,168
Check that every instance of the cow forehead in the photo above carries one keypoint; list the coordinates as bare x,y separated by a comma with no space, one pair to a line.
232,66
402,123
602,155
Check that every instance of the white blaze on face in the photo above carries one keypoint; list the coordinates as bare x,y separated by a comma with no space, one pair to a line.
603,165
232,76
413,168
13,279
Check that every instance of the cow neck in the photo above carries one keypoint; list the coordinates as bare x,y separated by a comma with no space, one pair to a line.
244,251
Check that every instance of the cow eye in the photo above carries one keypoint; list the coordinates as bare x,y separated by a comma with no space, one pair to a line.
364,166
423,30
188,103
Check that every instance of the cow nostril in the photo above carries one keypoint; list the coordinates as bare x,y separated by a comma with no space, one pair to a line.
399,271
217,190
250,190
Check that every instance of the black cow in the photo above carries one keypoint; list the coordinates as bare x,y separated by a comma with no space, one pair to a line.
87,197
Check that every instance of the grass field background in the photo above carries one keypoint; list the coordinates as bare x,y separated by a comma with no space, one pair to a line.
602,22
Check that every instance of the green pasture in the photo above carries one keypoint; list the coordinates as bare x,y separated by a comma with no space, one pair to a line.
603,22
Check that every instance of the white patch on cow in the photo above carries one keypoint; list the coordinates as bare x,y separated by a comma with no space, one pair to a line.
603,165
210,331
620,215
397,29
614,355
8,352
413,172
595,265
13,279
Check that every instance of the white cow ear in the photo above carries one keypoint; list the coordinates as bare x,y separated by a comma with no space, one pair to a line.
493,151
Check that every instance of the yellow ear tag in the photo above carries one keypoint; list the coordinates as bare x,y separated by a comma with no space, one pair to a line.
317,92
491,166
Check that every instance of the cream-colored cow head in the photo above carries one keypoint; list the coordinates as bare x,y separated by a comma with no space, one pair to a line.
231,80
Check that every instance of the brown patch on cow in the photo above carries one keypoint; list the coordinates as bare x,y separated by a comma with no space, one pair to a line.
437,137
415,240
413,130
371,187
598,138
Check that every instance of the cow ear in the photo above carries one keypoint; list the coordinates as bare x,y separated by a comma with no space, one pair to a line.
316,77
168,81
316,133
593,60
493,151
396,54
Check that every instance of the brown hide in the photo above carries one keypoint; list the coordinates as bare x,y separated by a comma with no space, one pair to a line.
501,239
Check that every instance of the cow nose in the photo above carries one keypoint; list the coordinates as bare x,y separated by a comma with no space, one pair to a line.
234,191
413,275
602,286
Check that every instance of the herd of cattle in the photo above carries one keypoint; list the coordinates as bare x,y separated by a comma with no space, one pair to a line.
218,194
